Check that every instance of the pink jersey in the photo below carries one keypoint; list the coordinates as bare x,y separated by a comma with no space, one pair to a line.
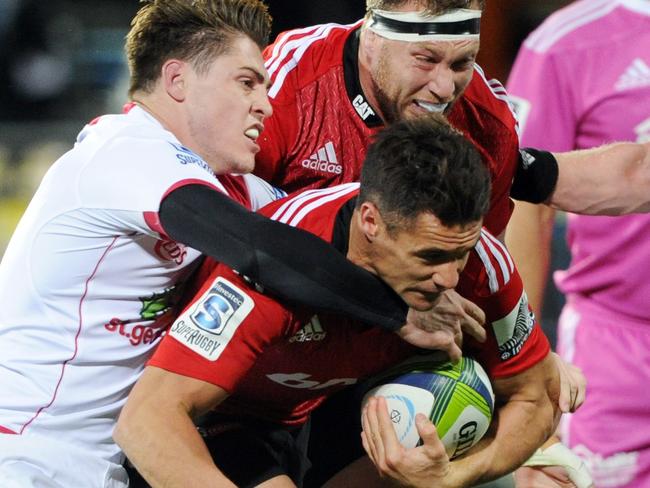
322,122
581,80
281,362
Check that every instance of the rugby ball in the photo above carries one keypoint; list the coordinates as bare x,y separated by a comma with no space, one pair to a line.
457,398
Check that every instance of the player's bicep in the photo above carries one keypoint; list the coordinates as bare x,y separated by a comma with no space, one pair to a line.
169,391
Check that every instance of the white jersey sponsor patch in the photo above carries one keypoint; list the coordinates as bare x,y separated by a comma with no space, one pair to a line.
208,326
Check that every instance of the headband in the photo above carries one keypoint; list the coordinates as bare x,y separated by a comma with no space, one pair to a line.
420,26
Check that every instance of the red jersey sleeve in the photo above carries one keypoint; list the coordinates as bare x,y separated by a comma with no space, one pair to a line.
223,330
515,341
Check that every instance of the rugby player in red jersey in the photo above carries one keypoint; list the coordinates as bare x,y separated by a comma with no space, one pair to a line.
416,222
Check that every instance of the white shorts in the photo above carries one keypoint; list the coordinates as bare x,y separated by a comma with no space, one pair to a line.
40,462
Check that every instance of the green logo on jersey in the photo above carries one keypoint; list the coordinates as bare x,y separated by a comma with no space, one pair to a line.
159,304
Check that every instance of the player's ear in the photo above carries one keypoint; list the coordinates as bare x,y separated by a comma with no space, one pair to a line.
370,220
174,78
369,44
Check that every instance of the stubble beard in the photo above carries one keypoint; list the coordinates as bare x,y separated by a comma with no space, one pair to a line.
386,104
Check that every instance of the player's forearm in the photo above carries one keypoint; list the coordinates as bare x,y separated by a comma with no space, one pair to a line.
609,180
157,434
523,427
528,239
523,424
296,265
166,448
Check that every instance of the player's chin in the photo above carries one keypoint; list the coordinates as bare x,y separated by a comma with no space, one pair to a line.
242,164
411,112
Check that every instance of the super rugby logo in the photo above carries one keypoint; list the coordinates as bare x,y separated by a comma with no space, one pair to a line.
214,313
187,156
210,324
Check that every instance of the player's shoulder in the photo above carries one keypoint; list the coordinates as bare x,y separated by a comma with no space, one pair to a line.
312,210
488,99
490,267
133,147
130,133
300,56
574,27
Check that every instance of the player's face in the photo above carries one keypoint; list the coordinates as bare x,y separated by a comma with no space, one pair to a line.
227,107
412,79
424,258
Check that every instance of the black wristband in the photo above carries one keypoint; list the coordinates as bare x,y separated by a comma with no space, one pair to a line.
536,176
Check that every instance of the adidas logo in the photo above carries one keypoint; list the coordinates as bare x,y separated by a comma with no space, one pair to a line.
324,159
637,74
313,331
527,159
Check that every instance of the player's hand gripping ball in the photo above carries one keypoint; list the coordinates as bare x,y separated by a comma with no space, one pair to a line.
457,398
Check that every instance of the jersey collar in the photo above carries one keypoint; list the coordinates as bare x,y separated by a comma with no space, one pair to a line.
353,88
341,232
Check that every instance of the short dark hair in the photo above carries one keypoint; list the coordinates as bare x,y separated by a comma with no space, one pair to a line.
425,166
433,7
190,30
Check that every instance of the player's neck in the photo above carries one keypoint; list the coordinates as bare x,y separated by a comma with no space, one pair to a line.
149,103
168,114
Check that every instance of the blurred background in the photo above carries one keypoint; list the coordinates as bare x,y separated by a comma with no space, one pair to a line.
62,64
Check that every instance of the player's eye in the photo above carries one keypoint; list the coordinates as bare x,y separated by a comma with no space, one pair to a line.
248,83
463,64
425,59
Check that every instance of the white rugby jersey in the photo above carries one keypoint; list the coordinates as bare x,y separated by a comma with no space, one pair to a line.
89,278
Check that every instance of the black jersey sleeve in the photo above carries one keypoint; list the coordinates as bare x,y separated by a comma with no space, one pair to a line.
292,263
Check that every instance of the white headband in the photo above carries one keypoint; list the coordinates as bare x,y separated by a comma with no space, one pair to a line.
420,26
